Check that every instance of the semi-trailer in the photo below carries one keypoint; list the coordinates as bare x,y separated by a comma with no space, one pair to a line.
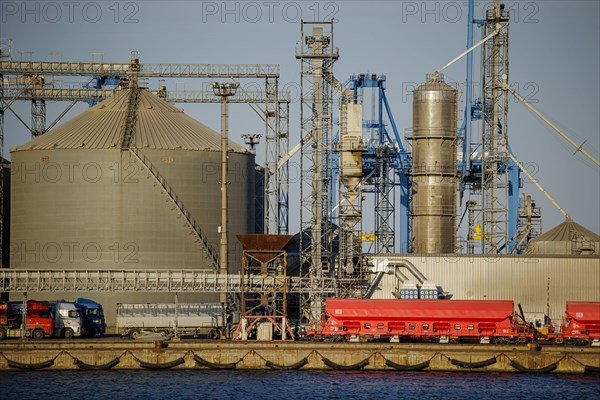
137,319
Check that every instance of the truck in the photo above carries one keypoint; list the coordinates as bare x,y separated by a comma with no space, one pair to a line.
68,321
135,320
93,317
38,320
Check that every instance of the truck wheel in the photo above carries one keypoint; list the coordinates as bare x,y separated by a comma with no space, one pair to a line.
37,334
134,333
68,333
2,334
163,332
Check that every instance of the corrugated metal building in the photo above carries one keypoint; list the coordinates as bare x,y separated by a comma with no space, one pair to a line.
539,283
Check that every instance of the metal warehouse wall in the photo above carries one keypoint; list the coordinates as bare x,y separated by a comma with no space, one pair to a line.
538,283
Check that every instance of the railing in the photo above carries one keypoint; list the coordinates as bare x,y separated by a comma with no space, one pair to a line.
129,128
146,70
181,281
21,92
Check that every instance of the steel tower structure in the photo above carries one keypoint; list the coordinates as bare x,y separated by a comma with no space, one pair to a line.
349,266
5,53
276,147
317,55
494,180
493,183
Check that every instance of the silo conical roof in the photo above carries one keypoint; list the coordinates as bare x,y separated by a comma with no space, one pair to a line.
159,125
567,231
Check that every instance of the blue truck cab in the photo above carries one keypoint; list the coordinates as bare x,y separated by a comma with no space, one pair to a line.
93,317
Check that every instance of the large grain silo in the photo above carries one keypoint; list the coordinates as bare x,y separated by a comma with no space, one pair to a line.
82,199
434,167
568,238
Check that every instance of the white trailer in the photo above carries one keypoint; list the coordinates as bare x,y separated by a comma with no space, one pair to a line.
138,319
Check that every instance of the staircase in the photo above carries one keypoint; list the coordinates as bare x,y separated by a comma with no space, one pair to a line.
187,216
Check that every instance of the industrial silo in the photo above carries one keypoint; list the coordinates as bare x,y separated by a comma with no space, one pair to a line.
434,167
568,238
83,200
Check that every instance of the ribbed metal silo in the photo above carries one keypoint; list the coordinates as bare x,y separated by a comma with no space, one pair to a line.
434,167
82,201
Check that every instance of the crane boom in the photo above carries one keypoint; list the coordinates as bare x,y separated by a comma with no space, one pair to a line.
536,183
543,118
470,49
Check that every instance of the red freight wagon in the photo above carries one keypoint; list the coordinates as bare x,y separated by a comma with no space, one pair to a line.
418,319
582,321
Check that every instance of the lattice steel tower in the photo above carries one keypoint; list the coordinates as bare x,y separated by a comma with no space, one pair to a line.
349,265
494,179
276,147
317,55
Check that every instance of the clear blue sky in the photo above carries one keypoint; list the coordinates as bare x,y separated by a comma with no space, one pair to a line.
554,60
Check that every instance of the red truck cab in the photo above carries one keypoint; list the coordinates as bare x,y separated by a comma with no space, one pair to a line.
38,325
39,319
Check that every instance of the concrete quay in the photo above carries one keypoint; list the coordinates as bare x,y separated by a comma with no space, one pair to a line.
252,355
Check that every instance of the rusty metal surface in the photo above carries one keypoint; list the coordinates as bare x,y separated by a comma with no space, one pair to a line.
261,242
264,247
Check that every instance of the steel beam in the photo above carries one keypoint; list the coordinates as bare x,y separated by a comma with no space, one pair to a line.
146,70
175,96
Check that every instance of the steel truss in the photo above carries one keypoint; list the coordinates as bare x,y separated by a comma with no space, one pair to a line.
18,92
181,281
317,55
494,179
145,70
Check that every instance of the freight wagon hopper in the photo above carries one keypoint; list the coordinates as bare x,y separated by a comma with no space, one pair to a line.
582,322
439,321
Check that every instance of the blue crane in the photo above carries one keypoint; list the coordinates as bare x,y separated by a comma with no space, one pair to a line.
382,156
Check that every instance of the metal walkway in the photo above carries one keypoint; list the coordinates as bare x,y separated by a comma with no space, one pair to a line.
182,281
30,92
146,70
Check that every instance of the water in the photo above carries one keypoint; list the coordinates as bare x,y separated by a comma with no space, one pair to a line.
305,385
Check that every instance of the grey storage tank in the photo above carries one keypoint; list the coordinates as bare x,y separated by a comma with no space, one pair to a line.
434,167
82,201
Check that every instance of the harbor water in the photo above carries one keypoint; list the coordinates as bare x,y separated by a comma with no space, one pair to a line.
263,385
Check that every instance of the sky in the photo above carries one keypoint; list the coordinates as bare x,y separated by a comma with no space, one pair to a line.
554,62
